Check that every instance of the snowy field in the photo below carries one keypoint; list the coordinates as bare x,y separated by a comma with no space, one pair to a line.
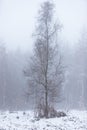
75,120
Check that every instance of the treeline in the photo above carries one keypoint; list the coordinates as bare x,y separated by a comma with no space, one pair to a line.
14,87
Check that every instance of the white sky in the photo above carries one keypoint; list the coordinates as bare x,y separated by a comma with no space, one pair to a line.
17,20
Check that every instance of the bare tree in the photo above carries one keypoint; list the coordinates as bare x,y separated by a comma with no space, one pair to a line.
3,73
45,70
81,62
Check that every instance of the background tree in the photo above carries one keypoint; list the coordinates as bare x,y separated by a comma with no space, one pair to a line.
3,72
82,68
45,70
12,83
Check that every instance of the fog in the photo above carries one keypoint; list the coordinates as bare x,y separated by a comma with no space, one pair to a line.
17,23
18,18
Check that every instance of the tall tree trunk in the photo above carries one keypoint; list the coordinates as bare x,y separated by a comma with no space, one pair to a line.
46,103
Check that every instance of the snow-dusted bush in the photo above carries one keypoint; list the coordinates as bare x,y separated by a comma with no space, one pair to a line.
40,113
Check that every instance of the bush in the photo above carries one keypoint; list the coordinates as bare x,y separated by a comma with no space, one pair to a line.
61,114
40,113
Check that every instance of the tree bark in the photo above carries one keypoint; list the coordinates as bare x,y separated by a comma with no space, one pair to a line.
46,103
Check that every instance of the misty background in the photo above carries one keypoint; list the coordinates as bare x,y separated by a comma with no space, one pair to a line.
17,23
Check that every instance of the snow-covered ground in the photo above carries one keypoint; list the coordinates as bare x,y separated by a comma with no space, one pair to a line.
75,120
